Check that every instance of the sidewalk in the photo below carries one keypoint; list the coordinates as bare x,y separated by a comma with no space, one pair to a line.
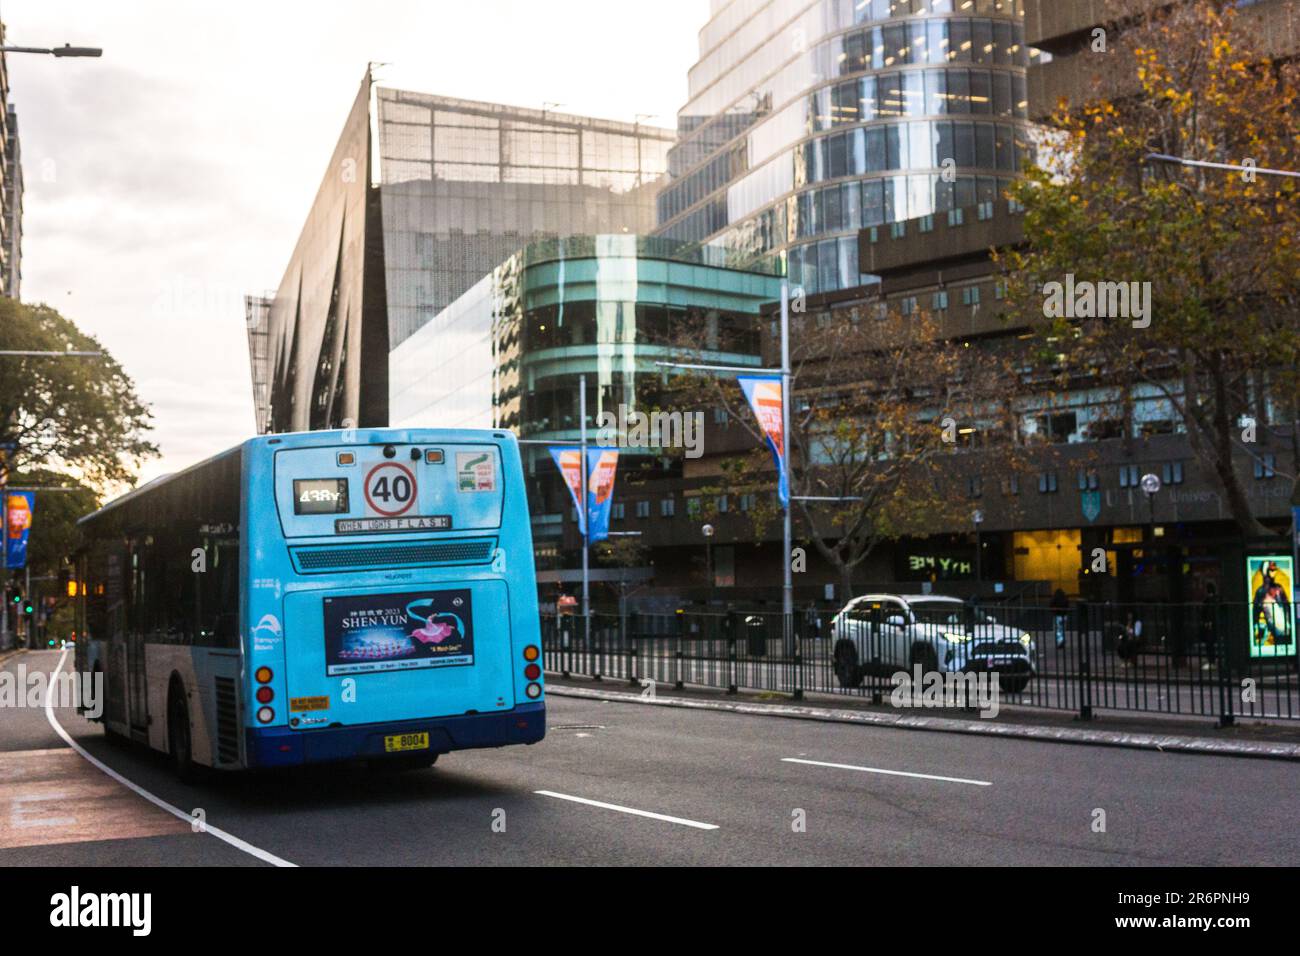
1141,732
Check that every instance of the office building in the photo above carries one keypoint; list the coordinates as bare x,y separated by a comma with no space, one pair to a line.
1075,68
809,120
423,197
11,182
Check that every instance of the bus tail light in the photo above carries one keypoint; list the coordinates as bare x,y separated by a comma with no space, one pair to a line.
531,652
533,691
532,672
265,695
265,715
263,675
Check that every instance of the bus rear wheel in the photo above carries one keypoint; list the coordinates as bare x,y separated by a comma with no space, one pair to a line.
179,744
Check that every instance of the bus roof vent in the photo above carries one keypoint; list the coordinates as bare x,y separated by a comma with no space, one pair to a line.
379,556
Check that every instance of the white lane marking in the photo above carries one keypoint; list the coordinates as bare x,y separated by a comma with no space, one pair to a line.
638,813
891,773
208,828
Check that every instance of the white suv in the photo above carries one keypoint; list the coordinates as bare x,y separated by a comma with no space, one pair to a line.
886,633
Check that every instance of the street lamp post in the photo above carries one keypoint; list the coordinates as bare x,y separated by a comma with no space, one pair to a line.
60,51
977,518
1150,486
708,531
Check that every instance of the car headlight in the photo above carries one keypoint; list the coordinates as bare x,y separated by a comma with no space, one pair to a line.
954,637
1026,640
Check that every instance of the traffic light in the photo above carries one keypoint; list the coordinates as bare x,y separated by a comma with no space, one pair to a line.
15,596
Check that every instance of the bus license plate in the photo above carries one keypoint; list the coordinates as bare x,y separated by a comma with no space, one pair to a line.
395,743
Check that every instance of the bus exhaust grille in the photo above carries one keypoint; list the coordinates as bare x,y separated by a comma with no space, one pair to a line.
227,721
465,551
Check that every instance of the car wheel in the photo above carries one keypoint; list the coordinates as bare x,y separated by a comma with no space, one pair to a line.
179,741
923,654
847,670
1013,683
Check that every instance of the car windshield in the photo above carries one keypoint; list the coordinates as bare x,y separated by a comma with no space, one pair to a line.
944,612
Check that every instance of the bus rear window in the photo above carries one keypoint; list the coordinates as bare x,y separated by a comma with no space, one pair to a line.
320,496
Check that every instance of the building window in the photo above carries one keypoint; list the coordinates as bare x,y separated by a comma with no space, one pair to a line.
693,507
897,230
940,301
643,509
720,416
1000,290
970,295
1173,473
1088,479
616,511
1011,485
974,486
984,211
723,504
908,305
956,217
1047,484
667,507
1265,467
926,224
1128,476
746,502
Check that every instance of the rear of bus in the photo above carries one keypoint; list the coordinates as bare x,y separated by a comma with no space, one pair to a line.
390,608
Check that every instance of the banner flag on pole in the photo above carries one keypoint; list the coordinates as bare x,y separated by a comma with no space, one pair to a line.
764,396
18,521
602,464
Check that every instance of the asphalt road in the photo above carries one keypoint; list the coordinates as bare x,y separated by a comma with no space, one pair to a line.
661,786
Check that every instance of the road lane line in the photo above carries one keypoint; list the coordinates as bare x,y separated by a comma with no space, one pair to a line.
207,828
891,773
638,813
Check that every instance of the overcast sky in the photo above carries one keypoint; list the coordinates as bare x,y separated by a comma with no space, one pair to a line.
172,176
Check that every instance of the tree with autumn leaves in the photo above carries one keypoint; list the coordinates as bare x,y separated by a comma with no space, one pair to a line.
879,404
1220,247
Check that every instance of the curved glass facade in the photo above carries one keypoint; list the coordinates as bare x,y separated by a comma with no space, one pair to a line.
811,119
509,353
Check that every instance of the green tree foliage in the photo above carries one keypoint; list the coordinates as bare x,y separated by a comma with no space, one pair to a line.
1220,248
73,415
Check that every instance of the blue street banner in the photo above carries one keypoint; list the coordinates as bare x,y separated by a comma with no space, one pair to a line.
602,465
18,522
764,396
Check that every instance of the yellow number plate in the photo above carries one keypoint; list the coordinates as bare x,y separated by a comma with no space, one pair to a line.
398,742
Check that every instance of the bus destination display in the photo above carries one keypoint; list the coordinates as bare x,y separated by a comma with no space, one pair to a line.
320,496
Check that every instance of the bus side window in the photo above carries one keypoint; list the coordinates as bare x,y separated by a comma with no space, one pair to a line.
218,604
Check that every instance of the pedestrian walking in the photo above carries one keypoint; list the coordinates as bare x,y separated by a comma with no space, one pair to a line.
1130,643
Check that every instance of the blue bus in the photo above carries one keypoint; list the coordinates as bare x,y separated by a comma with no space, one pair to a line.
362,594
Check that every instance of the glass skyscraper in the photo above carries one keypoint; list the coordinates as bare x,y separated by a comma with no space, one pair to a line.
465,185
810,120
424,196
